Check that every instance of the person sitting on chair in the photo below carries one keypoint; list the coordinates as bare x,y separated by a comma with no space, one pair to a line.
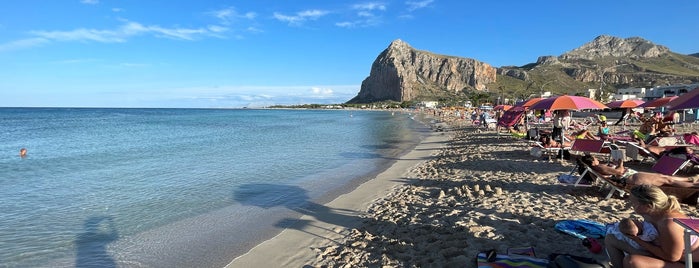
603,130
627,177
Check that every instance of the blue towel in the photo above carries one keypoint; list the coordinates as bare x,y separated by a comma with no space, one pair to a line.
581,228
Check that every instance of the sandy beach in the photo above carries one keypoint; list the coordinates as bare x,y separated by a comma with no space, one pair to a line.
458,193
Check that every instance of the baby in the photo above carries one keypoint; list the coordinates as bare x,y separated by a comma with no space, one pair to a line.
642,229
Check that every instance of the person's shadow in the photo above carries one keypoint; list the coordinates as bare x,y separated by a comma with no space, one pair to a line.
294,198
91,245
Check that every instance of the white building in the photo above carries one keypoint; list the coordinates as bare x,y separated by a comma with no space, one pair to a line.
630,93
429,104
668,91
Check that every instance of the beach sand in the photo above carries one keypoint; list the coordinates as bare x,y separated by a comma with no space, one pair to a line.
456,194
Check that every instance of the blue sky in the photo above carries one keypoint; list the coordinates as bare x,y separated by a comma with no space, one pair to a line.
228,54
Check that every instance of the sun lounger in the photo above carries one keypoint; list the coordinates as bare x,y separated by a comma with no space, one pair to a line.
635,151
538,150
669,165
607,182
686,195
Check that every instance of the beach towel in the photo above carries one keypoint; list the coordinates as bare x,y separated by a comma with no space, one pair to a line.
581,228
511,261
572,261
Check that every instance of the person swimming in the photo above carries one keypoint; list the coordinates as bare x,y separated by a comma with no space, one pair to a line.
23,152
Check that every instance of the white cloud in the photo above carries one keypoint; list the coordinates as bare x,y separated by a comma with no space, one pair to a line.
300,17
370,6
321,92
414,5
121,34
366,15
217,28
116,9
345,24
261,96
23,43
228,15
90,2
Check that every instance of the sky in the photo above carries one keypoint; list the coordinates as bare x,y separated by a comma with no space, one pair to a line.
257,53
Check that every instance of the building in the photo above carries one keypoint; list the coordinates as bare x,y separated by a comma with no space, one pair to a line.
668,91
630,93
429,104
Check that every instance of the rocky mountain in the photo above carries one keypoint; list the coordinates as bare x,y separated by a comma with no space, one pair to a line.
402,73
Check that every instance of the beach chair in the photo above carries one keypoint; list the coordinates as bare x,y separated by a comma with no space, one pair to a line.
585,146
508,120
538,149
607,182
667,141
635,151
669,165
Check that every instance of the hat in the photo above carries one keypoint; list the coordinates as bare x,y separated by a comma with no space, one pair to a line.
602,118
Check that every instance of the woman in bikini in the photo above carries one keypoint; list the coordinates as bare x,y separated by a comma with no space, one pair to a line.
628,177
667,250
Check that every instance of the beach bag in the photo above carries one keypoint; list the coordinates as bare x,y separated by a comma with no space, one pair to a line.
572,261
533,134
536,152
617,154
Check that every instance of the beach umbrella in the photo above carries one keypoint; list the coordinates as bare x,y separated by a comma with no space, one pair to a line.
566,102
625,104
657,102
503,107
528,103
687,100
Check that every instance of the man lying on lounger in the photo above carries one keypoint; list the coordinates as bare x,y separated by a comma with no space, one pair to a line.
628,177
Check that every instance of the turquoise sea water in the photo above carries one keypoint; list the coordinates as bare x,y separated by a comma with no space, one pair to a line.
175,187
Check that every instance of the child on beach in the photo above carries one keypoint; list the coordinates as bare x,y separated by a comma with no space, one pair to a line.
642,229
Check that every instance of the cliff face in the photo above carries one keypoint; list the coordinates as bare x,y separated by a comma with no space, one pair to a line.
402,73
610,46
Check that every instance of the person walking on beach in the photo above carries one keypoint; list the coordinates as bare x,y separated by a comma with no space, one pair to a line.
658,209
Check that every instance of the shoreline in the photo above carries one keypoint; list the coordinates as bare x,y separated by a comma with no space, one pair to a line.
328,224
456,194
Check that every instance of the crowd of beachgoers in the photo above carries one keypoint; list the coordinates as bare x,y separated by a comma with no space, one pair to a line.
482,191
467,188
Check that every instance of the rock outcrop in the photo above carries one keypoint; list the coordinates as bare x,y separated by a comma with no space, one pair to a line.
402,73
610,46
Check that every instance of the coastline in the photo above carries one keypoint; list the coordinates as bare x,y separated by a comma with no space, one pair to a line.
456,194
329,223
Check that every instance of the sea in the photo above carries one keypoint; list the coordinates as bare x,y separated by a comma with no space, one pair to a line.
120,187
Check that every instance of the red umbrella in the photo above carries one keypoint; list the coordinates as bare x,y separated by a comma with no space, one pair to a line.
529,102
685,101
503,107
566,102
657,102
625,104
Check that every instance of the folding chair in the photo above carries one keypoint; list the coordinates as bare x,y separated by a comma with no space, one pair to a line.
548,151
669,165
589,146
606,180
634,150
